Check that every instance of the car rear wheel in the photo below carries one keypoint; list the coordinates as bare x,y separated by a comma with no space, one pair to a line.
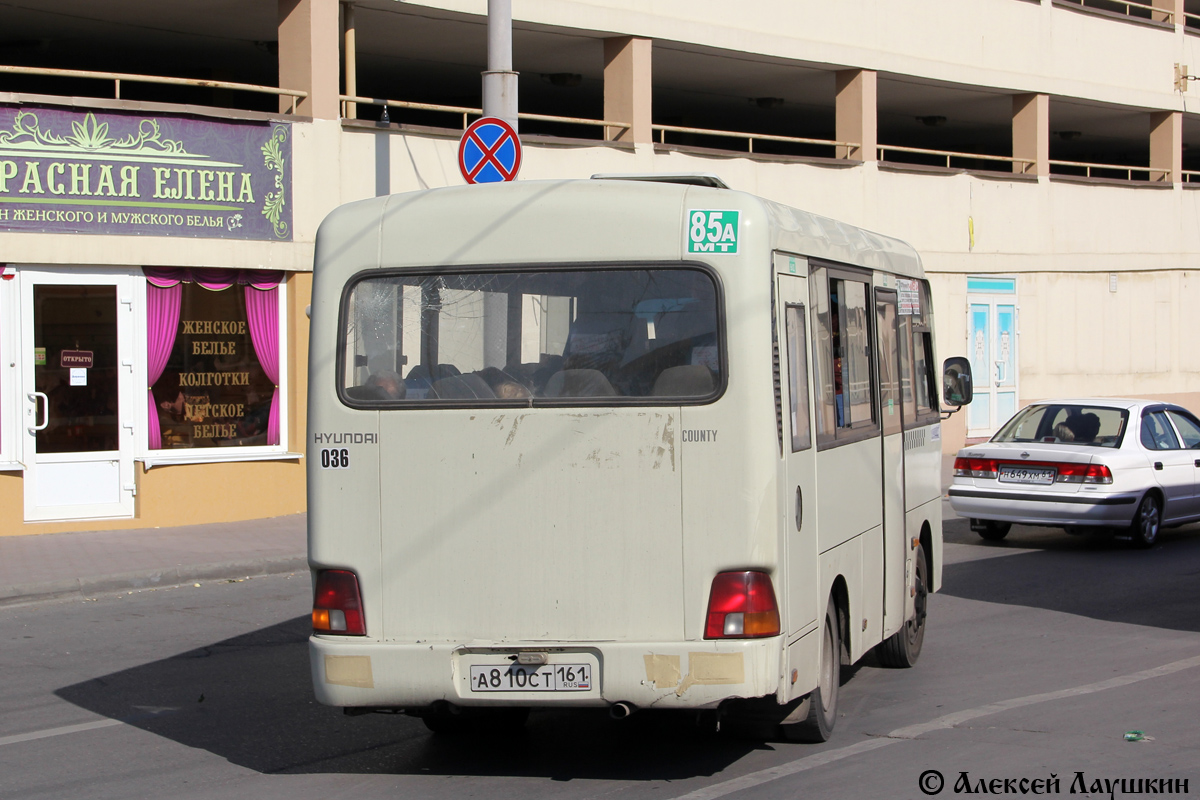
990,529
1146,522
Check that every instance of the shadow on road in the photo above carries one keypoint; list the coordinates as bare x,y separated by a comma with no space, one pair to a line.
249,700
1107,579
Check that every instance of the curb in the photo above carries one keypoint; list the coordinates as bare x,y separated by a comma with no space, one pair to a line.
149,579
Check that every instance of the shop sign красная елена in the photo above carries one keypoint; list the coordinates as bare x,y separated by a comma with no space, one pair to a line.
68,171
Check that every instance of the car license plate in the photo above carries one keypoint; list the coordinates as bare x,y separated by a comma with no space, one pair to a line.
1038,475
518,678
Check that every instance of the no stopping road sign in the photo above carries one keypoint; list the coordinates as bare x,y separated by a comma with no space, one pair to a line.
489,151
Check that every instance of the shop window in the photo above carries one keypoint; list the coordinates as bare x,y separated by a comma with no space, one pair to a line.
213,346
9,376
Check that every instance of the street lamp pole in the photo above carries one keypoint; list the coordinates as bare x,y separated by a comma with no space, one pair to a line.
499,81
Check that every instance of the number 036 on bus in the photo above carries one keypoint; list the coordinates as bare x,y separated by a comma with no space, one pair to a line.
617,443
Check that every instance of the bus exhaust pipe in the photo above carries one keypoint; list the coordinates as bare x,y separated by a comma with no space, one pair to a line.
621,710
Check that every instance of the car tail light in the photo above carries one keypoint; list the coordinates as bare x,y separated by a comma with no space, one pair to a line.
741,605
975,467
1083,473
337,604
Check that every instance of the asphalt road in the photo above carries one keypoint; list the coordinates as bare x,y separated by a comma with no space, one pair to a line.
1042,651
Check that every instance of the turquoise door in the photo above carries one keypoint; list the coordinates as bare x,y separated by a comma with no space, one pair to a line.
992,337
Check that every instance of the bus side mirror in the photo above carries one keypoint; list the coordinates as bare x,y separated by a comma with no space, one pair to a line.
956,382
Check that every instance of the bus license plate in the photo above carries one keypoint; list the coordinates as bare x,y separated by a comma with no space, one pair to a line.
518,678
1039,475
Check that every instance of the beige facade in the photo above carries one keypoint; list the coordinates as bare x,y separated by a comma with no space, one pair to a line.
1049,145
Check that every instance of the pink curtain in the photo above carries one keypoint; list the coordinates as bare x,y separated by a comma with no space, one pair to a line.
162,323
262,316
164,296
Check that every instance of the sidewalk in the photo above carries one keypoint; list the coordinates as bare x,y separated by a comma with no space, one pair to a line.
49,565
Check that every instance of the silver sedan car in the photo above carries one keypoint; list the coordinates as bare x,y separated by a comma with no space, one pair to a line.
1131,465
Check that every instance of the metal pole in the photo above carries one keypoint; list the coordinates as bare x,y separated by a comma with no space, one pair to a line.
351,56
499,81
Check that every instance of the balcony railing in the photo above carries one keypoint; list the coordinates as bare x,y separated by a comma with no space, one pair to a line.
1090,170
350,101
1130,8
117,77
951,155
750,138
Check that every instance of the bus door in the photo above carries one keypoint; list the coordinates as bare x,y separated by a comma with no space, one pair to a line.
801,582
895,547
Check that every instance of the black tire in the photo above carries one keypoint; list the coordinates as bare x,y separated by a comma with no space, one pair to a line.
992,530
903,648
1147,522
822,702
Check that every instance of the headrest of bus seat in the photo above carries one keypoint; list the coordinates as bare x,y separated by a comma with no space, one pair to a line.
462,387
579,383
693,380
368,393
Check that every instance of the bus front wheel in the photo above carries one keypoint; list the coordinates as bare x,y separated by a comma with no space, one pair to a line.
822,702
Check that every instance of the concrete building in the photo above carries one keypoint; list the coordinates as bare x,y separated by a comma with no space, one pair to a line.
164,167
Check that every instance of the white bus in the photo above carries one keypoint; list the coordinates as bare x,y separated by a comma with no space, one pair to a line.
620,443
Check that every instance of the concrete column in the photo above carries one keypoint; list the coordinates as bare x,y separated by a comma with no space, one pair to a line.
1031,133
308,55
856,116
627,88
1166,146
1173,6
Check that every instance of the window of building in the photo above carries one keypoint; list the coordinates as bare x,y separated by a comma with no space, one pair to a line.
10,377
213,359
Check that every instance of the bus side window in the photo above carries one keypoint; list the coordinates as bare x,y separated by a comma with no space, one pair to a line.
887,346
926,394
842,357
797,354
918,391
823,361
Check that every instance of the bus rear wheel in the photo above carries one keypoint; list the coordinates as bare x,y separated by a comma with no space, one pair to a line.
451,721
822,702
903,647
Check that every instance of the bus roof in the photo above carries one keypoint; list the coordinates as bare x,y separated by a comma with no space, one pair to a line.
614,219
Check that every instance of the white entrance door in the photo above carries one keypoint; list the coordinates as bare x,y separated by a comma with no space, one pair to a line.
799,445
77,394
992,343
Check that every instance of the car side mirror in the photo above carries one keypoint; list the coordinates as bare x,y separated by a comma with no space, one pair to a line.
956,382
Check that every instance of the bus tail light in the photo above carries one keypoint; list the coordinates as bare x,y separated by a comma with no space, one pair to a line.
337,604
741,605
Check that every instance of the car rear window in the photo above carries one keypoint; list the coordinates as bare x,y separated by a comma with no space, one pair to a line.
1063,423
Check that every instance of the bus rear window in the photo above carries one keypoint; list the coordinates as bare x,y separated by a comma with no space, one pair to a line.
550,337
